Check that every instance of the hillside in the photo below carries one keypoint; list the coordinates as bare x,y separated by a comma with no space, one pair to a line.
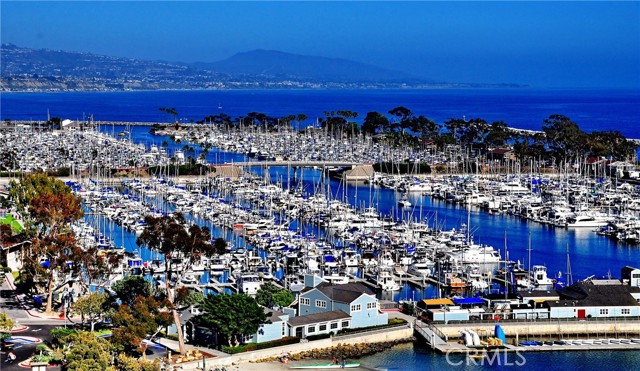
25,69
271,63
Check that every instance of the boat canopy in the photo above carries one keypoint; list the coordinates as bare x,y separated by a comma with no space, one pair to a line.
467,301
437,302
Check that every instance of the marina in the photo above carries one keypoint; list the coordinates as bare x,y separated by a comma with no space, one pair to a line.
534,198
412,186
498,231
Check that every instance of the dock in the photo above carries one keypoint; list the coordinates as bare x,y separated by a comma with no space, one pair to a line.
574,335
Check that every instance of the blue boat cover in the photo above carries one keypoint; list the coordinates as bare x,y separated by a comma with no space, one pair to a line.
461,301
499,333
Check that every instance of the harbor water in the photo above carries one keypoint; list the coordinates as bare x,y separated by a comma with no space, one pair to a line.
589,253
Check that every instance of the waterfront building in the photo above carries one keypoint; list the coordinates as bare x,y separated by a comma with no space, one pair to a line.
631,277
354,299
596,299
276,327
319,323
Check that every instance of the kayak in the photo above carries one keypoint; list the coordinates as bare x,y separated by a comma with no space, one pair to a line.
318,366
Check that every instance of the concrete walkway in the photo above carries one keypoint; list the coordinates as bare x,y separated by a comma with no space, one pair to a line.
174,346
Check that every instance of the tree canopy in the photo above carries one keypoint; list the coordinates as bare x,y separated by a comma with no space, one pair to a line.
232,316
87,352
133,323
6,324
271,296
92,307
130,287
49,207
170,236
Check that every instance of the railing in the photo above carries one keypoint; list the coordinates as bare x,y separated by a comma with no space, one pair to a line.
376,330
430,333
541,320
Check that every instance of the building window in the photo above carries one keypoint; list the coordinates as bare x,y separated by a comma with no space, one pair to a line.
356,307
305,301
635,275
284,328
604,311
321,304
625,311
334,325
311,329
323,327
373,305
345,324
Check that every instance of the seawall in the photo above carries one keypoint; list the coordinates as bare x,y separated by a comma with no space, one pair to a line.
381,336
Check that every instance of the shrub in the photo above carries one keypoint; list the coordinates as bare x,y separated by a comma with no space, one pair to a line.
40,358
396,321
59,334
318,337
42,349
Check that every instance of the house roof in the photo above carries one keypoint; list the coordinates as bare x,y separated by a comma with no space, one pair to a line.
538,294
592,295
342,293
318,317
272,314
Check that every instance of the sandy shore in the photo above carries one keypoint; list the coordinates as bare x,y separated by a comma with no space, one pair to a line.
266,366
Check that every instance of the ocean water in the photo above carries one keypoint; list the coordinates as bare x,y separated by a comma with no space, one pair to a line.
590,254
521,108
416,356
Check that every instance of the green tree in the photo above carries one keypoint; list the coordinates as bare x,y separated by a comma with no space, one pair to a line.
374,123
147,316
611,143
403,116
126,363
49,207
498,134
6,324
91,308
270,296
168,235
87,352
232,316
426,128
564,137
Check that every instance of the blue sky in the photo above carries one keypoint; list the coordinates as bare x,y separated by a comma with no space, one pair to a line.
544,44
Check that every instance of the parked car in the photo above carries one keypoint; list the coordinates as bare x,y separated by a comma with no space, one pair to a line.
7,345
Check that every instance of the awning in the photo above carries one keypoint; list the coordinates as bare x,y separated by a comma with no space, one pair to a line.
437,302
468,301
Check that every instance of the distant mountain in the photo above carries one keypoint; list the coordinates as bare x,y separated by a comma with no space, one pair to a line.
271,63
25,69
57,70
